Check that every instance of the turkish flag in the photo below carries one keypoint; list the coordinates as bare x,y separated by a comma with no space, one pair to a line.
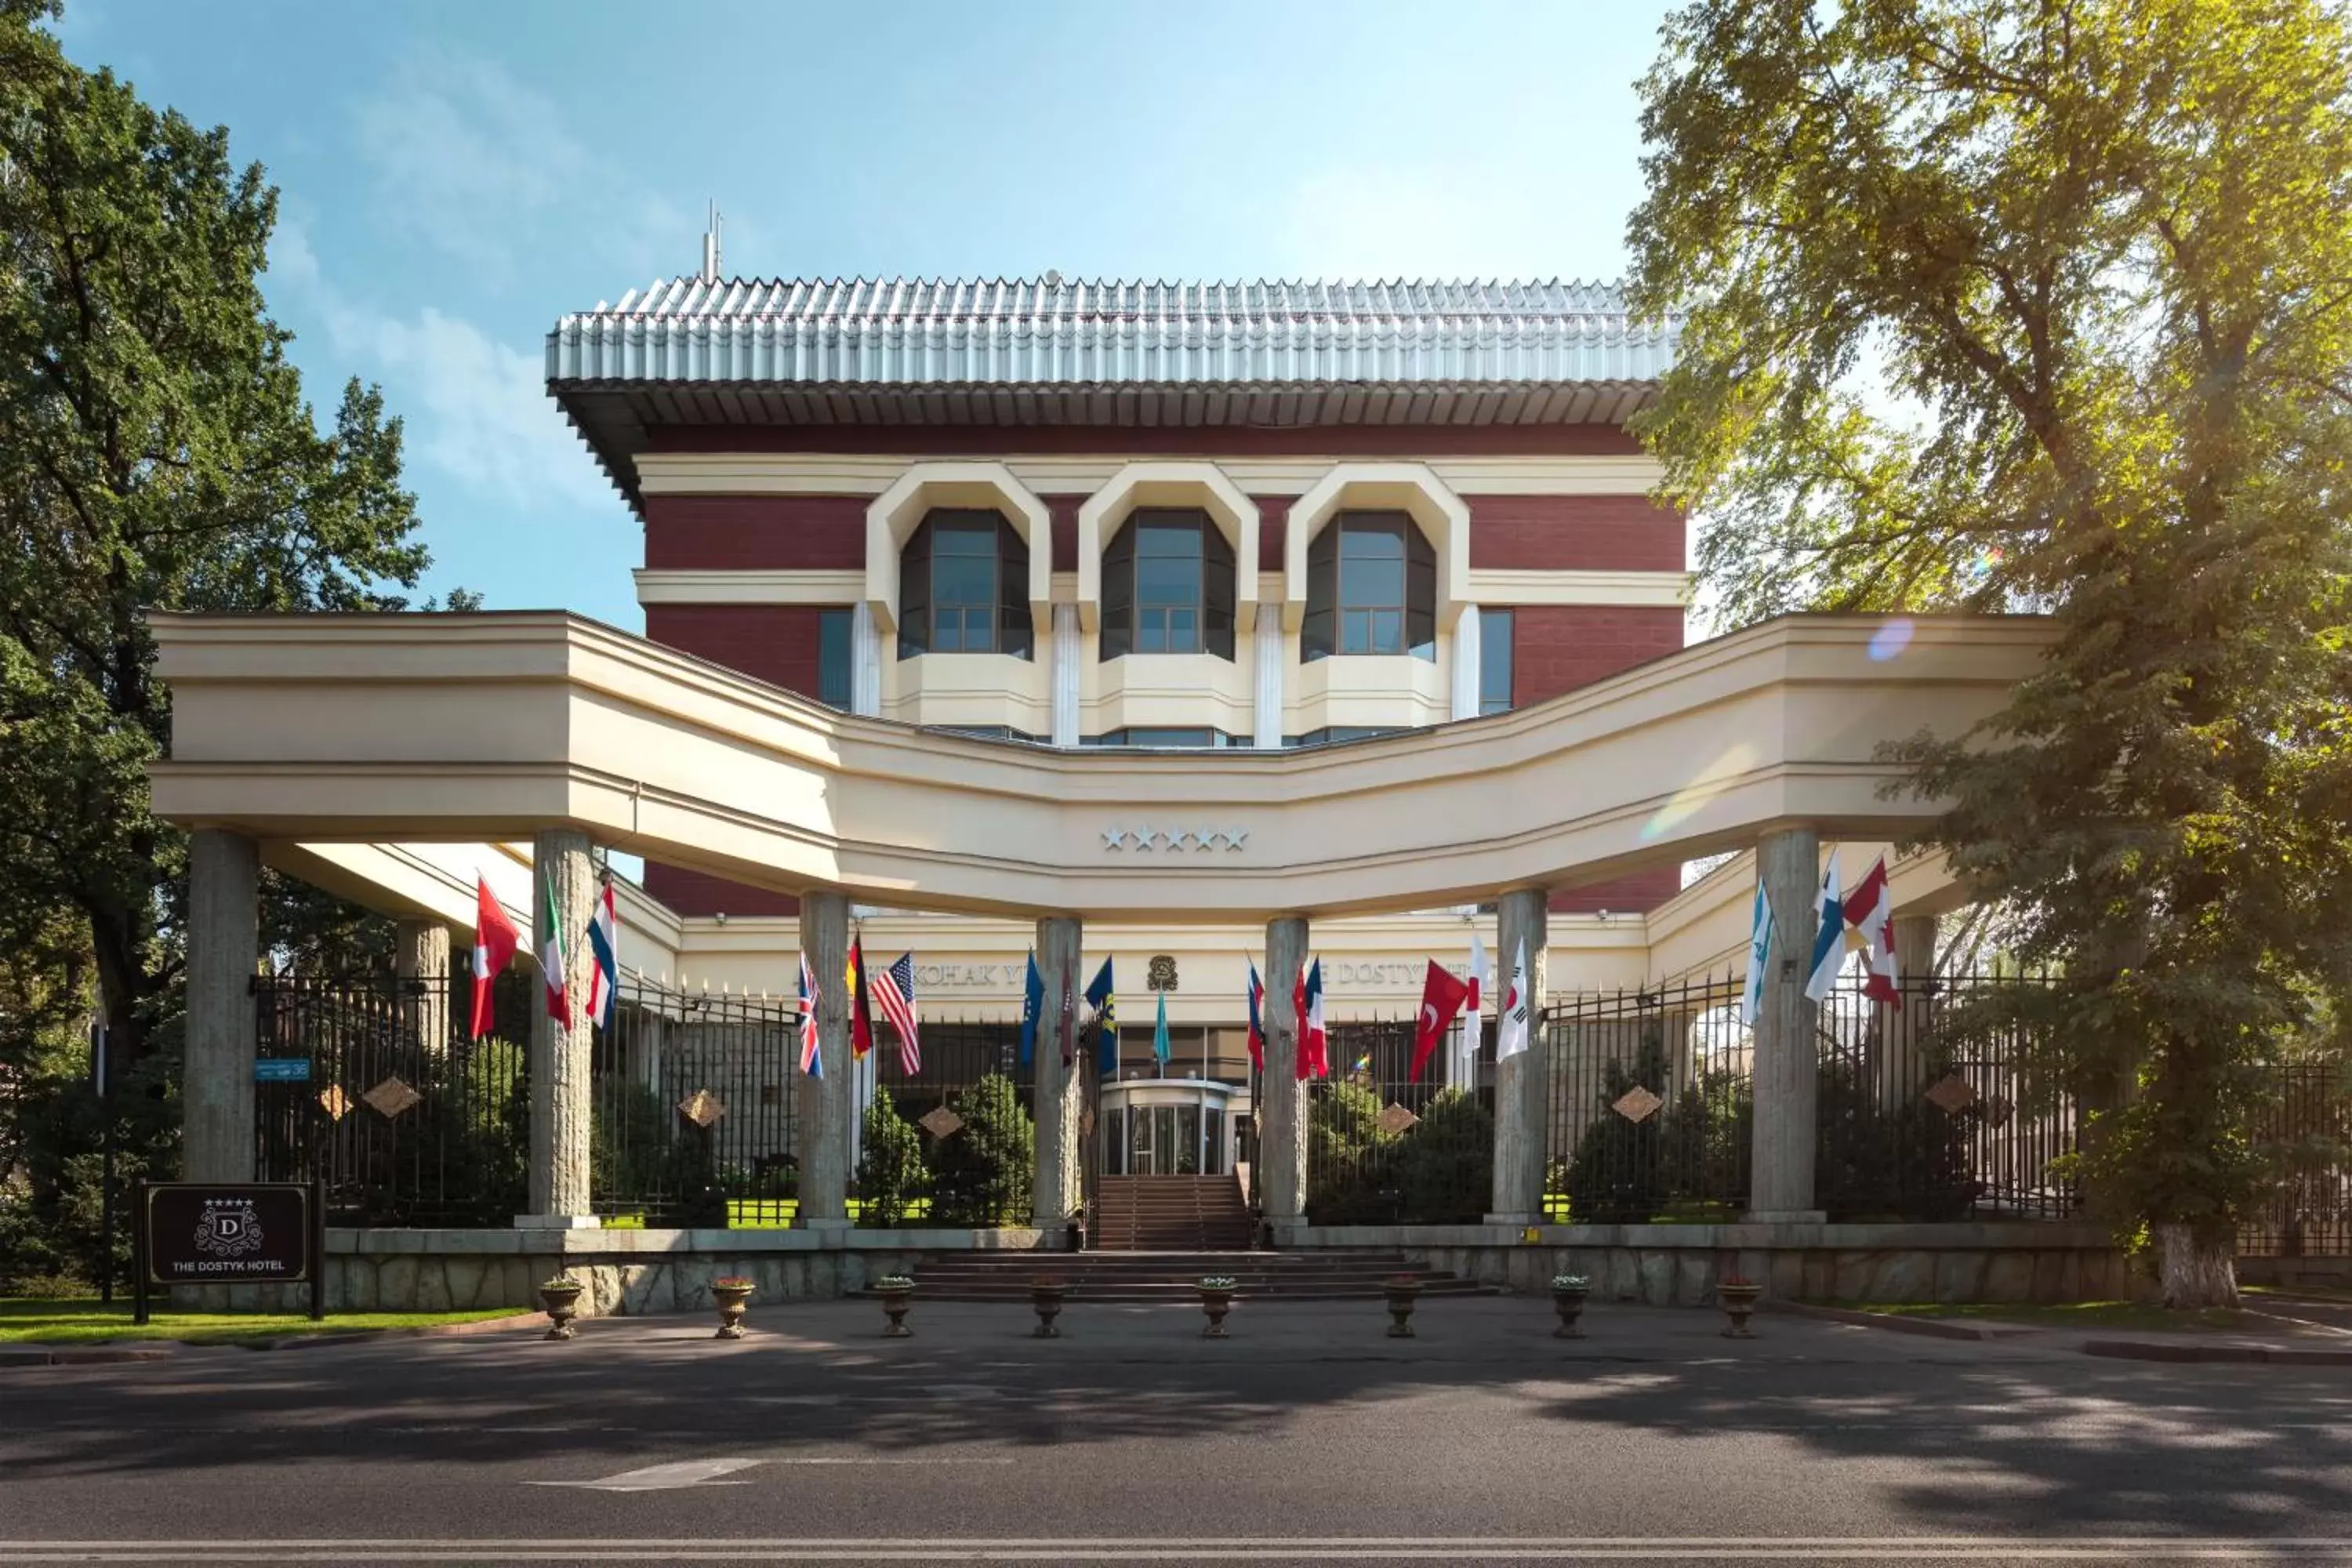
1442,996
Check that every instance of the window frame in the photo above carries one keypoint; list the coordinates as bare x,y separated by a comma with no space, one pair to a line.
1497,653
1323,632
1214,611
1006,604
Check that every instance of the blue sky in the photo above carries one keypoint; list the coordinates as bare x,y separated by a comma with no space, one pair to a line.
454,177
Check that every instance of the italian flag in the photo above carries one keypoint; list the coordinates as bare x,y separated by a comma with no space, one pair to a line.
551,957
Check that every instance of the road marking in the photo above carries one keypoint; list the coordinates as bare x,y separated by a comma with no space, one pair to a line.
663,1477
1258,1548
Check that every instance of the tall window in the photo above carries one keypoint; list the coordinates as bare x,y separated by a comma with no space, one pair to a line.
1494,627
964,586
833,658
1168,586
1371,588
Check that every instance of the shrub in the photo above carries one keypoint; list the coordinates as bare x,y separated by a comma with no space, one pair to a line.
891,1175
1445,1165
981,1175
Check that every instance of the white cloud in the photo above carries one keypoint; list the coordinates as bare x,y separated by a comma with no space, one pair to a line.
467,157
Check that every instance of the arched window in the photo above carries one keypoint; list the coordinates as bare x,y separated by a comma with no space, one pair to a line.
1168,586
1371,588
964,586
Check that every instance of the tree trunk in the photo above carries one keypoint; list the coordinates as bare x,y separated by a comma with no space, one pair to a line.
2197,1272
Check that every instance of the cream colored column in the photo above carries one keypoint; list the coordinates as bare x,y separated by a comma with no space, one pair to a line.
1282,1107
864,661
1521,1080
1468,652
1069,649
1268,647
1780,1174
827,1103
563,873
223,949
420,951
1056,1100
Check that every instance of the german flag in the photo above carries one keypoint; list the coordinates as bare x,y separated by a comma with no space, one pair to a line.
861,1006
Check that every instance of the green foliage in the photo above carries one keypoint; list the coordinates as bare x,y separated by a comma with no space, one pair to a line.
983,1174
1445,1165
891,1175
1911,1160
156,451
2020,307
1350,1173
641,1149
1681,1161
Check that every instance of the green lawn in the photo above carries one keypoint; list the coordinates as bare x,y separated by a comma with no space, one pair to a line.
37,1320
2134,1315
765,1214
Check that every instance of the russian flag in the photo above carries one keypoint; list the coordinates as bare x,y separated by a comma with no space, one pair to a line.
1256,1018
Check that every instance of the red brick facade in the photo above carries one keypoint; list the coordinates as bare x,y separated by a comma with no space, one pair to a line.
1583,533
1559,648
694,894
774,643
1370,441
1637,894
805,533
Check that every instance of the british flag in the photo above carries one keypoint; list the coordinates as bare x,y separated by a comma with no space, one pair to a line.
893,989
812,1060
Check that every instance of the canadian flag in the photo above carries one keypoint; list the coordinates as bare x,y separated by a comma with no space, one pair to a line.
1870,909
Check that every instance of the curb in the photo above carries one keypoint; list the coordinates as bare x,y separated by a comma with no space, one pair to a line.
1926,1328
425,1331
96,1355
2238,1355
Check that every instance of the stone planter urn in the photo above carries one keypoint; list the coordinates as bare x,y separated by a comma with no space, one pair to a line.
1046,1296
731,1293
1567,1295
561,1297
896,1292
1401,1291
1216,1301
1737,1297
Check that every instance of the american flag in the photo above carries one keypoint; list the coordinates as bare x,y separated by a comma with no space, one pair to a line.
894,988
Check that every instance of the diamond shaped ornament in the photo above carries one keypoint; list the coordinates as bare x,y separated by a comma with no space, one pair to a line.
391,1098
334,1102
1997,1111
702,1108
939,1122
1637,1104
1396,1118
1952,1094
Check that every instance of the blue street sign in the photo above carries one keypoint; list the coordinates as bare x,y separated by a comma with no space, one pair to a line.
281,1070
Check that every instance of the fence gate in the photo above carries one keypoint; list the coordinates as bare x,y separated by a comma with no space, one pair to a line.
1384,1150
2308,1126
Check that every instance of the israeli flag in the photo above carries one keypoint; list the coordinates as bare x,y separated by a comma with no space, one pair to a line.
1760,953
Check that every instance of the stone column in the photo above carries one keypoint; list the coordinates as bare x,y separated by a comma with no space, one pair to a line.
1520,1081
1900,1031
1780,1173
1467,653
1282,1100
825,1103
563,873
1068,649
223,949
1269,646
1056,1099
420,951
864,661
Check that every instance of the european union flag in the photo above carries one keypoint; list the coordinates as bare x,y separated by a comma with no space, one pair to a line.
1033,1003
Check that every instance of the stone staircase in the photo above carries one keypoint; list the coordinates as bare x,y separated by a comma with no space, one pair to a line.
1168,1277
1170,1214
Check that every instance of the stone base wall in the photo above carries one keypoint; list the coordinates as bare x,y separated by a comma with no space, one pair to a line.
626,1272
1679,1265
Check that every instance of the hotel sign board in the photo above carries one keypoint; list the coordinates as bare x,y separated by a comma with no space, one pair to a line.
230,1233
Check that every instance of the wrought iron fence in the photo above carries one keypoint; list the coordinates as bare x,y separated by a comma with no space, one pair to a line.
959,1145
1935,1108
378,1090
2307,1127
1648,1113
1384,1150
694,1110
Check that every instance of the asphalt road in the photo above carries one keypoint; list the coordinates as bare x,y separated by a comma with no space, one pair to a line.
1307,1438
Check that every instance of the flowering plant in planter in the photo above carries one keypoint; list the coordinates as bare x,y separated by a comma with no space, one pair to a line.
1217,1282
1570,1284
894,1282
734,1282
560,1282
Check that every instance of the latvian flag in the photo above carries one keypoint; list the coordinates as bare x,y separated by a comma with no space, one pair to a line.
812,1060
604,941
895,988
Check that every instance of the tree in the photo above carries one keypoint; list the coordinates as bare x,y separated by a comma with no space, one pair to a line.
891,1176
155,451
2038,305
982,1173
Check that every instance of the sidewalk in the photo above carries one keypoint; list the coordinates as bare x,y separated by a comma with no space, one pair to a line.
2307,1334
